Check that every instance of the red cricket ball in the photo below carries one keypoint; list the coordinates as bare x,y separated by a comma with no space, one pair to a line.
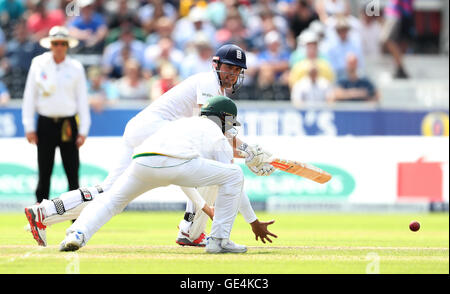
414,226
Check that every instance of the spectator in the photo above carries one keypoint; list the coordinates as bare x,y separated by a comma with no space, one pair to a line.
371,28
308,39
164,27
233,29
266,25
275,58
263,12
311,90
89,28
266,86
118,11
116,53
354,87
264,83
42,20
344,45
114,68
320,29
329,8
163,51
218,11
4,94
331,35
165,81
200,59
119,20
264,5
100,6
152,11
397,31
101,92
10,11
132,86
2,51
300,69
20,51
126,23
188,27
300,17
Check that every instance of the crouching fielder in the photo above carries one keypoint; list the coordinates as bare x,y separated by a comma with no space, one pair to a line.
190,152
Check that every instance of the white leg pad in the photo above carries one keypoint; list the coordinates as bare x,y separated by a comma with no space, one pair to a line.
68,215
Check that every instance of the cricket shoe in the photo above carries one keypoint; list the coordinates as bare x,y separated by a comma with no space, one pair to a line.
35,215
219,245
184,240
72,242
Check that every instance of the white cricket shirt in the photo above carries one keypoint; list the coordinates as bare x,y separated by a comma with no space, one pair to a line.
183,99
189,138
55,90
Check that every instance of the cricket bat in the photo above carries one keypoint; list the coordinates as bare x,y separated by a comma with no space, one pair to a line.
300,169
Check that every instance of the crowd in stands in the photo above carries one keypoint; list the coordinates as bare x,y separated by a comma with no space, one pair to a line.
311,51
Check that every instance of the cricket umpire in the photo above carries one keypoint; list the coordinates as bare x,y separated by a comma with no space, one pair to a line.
56,91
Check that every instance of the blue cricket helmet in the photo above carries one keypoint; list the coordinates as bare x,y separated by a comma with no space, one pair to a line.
232,55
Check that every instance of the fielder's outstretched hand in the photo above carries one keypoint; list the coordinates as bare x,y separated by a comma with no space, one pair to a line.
260,230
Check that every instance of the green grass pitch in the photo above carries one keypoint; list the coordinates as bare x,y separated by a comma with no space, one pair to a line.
144,242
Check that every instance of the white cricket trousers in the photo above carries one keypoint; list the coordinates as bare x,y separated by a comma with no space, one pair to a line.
149,172
135,133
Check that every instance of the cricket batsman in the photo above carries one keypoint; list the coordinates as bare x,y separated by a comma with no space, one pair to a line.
183,100
189,152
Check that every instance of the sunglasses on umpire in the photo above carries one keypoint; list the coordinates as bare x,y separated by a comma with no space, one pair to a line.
60,44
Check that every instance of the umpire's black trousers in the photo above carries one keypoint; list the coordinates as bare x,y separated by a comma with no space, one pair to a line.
51,133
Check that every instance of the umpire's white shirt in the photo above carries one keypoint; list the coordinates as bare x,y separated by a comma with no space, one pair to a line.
55,90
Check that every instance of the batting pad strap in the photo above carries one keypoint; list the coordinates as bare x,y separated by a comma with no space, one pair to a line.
189,216
85,194
59,205
99,189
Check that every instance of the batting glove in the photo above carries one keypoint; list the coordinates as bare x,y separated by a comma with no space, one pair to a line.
264,169
253,154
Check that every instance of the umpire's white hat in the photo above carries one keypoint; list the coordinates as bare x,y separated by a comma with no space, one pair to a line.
58,33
